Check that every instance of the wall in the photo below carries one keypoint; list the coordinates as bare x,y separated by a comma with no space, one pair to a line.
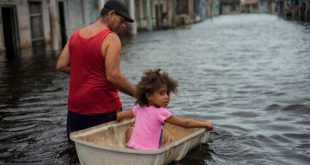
23,22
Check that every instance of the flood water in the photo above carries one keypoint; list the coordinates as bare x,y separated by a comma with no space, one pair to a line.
249,74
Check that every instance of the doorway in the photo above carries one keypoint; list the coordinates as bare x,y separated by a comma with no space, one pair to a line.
62,23
10,31
159,15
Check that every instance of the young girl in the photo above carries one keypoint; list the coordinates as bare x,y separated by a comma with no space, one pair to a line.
150,111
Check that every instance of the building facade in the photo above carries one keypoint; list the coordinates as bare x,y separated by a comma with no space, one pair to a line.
230,6
200,10
23,23
213,8
49,23
294,9
163,14
251,6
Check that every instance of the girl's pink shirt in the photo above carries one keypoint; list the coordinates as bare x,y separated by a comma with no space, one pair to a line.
148,126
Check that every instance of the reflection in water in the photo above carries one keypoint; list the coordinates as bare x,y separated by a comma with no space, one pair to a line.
250,74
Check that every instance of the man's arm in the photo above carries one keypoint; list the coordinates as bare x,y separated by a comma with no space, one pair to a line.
111,48
63,63
124,114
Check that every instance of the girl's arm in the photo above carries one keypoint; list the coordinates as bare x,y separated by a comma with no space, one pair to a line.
124,114
189,123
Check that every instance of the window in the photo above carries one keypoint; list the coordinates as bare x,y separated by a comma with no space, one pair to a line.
37,33
181,7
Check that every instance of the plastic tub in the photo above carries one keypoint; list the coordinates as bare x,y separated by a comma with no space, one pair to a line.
105,145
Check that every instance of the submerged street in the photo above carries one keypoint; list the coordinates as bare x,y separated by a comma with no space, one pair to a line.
249,74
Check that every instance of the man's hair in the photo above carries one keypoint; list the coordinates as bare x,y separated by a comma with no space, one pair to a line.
104,12
151,81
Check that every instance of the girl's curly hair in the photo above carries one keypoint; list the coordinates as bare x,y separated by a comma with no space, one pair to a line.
151,81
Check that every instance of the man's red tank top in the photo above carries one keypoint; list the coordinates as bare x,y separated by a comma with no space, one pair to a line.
89,91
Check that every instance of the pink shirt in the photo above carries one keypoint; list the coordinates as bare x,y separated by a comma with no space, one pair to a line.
148,125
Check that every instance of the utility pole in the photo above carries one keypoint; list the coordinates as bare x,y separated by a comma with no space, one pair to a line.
174,13
211,10
159,14
100,5
55,30
306,12
149,16
132,15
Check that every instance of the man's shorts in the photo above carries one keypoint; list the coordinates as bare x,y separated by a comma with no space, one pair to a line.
77,121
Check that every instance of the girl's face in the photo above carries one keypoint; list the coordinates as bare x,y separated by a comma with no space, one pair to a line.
159,98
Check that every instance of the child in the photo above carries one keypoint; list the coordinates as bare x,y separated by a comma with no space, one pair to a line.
150,111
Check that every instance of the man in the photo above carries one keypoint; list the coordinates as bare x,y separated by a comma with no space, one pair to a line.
92,58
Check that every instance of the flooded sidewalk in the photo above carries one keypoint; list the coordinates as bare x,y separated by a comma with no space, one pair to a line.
249,74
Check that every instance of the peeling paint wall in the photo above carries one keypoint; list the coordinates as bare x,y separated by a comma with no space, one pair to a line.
23,22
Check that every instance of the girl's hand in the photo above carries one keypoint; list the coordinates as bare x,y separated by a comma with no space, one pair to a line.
209,125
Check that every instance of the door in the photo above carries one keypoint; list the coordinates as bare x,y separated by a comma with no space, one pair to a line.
159,14
62,23
10,31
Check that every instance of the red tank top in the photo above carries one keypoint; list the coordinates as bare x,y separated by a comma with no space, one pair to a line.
89,91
